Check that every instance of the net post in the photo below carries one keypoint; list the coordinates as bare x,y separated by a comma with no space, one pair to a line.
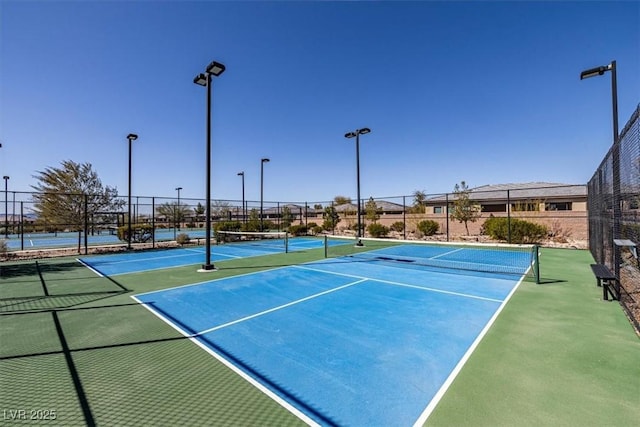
326,246
536,263
286,242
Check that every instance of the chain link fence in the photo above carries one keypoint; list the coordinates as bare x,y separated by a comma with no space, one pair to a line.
614,214
560,209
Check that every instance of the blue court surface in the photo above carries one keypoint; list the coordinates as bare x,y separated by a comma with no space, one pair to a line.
134,262
339,342
70,239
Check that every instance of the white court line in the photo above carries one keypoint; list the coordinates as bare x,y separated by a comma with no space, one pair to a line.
212,280
445,386
89,267
446,253
125,261
215,328
295,411
388,282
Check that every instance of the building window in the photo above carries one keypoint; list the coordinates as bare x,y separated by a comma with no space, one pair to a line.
437,209
525,207
558,206
494,208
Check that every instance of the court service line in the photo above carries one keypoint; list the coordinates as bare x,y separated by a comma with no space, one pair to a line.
271,310
447,253
194,339
389,282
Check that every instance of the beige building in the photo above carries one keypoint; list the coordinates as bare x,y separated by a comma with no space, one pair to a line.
562,208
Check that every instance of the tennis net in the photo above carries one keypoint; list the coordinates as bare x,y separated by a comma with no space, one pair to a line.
273,240
481,257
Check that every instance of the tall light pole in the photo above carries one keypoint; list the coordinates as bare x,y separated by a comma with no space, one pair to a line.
244,214
178,211
6,207
204,79
262,162
131,137
357,134
617,213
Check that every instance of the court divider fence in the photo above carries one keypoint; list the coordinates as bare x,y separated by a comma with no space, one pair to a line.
614,214
37,220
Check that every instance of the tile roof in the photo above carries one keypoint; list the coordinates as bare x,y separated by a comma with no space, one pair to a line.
528,190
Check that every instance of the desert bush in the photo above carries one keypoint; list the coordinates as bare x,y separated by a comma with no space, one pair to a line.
428,227
557,233
397,226
521,231
298,230
269,225
377,230
183,239
228,226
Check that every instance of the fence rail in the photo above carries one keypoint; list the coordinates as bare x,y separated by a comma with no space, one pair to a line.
84,223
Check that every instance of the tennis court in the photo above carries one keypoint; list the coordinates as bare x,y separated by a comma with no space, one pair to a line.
367,336
365,339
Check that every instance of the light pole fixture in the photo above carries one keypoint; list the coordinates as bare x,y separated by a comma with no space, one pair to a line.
204,79
244,213
131,137
178,211
6,207
262,162
617,212
357,134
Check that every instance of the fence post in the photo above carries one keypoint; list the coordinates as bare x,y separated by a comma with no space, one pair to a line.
404,218
22,226
153,222
508,217
86,224
447,213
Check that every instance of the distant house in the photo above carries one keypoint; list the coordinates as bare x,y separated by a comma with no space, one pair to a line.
527,197
560,207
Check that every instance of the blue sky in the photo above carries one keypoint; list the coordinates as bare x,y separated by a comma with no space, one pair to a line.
486,92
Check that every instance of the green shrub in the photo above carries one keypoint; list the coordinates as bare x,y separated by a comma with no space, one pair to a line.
140,233
397,226
316,229
378,230
250,226
269,225
311,225
521,231
228,226
428,227
298,230
183,239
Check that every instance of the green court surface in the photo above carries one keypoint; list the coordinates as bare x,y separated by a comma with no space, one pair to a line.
75,349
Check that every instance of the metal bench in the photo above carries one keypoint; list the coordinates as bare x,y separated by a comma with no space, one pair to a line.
608,281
